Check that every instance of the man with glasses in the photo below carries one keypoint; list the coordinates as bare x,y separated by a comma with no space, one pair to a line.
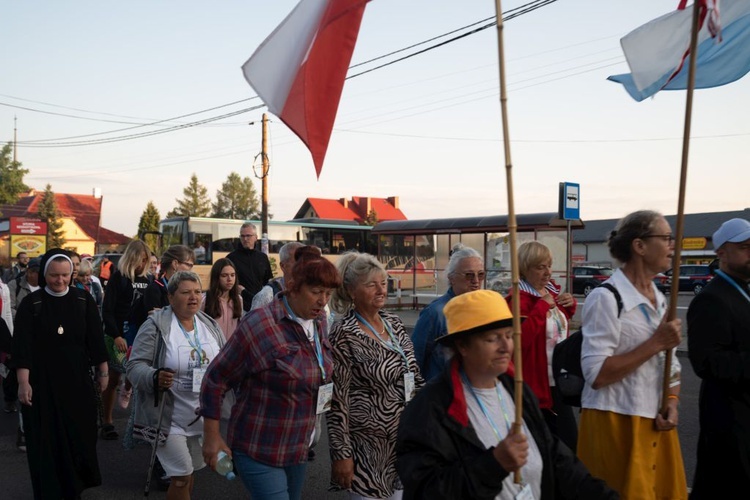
253,266
465,273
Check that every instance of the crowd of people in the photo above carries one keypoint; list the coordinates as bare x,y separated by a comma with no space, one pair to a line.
431,415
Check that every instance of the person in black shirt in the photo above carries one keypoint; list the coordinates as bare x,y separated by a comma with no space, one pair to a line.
719,349
253,266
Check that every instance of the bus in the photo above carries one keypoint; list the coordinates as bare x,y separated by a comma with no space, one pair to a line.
216,238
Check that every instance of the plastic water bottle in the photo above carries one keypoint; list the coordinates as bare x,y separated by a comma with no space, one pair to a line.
121,357
224,466
264,243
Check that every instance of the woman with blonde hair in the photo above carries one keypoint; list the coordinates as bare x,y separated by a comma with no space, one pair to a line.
375,375
124,290
547,311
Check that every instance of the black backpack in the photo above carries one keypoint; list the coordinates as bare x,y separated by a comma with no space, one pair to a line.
566,361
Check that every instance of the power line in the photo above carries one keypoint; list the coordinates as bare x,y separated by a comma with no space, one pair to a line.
530,7
39,141
143,134
510,14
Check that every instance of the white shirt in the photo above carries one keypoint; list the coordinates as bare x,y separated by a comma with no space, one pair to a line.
604,335
502,416
183,358
6,312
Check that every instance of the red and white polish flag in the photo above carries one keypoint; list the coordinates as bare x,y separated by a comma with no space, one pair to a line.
299,70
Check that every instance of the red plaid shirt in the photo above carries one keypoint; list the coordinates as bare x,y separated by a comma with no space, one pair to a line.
275,369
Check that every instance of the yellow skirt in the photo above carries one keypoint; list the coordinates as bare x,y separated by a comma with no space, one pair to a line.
626,451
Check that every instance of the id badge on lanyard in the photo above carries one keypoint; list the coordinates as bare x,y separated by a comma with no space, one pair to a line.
198,374
409,388
325,396
525,493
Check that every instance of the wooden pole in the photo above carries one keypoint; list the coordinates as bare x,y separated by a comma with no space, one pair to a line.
674,291
512,226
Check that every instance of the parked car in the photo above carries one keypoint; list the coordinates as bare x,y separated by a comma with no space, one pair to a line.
693,277
586,278
661,280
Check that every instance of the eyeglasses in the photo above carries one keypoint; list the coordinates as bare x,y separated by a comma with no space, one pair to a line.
189,265
248,236
669,238
475,276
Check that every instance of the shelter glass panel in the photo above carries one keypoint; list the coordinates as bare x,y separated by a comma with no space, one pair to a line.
556,241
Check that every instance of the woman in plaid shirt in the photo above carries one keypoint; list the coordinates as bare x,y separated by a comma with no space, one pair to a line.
279,360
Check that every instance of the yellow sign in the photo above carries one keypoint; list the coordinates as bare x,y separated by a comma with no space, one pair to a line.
693,243
34,245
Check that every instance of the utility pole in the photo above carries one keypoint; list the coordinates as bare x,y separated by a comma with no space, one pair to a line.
264,179
15,140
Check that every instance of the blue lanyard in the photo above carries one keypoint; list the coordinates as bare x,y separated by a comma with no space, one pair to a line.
733,283
647,315
484,409
393,346
318,349
197,344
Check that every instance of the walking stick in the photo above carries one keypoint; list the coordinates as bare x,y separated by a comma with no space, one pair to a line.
674,291
515,305
161,399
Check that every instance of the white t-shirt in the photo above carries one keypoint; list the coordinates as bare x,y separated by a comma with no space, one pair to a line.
182,357
502,416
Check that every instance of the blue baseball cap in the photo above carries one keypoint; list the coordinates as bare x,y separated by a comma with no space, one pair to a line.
733,230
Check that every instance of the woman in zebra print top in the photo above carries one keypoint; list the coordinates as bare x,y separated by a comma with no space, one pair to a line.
375,375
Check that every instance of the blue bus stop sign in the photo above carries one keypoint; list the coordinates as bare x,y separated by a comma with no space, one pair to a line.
570,201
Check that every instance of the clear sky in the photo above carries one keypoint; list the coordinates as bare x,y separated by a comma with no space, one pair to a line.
426,129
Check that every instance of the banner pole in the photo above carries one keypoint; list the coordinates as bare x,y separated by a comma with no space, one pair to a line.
512,227
679,225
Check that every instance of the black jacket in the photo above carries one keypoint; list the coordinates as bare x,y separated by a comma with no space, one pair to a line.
439,455
719,349
253,272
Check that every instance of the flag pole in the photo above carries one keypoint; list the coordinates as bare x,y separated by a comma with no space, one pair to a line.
674,290
512,226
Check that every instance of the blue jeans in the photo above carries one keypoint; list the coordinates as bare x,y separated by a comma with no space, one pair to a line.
265,482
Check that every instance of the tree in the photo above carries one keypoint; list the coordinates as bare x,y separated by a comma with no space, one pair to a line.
237,199
371,219
149,222
195,203
49,213
11,177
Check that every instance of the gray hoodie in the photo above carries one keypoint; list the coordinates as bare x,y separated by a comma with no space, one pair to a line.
148,353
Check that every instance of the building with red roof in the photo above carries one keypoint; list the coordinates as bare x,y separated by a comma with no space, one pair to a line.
356,209
81,216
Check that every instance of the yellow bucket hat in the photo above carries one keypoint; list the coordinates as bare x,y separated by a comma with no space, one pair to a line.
475,312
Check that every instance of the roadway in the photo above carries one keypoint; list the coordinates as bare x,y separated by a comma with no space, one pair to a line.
124,471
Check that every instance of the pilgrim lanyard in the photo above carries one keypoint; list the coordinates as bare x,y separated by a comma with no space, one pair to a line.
484,409
647,315
393,346
197,344
318,349
733,283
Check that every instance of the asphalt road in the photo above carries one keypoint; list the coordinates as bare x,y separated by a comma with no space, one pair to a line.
124,471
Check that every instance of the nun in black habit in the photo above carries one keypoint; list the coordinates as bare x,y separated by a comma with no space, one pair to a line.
58,338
